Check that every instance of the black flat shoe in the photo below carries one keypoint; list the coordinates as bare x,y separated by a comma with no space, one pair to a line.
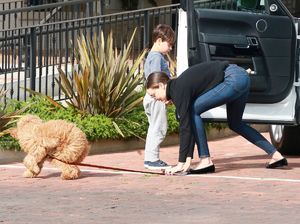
209,169
277,164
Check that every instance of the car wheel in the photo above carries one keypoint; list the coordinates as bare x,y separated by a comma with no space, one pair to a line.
286,138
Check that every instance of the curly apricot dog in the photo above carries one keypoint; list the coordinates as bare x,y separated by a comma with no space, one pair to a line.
58,141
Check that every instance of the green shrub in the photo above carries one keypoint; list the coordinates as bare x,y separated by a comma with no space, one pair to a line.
9,143
96,127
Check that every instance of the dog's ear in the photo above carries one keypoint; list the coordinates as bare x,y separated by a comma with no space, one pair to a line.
12,132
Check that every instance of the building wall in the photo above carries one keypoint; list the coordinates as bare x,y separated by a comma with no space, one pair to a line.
113,6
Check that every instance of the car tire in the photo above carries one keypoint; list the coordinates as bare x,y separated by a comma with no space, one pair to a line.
286,138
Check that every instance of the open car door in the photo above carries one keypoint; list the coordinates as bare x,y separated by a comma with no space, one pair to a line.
256,34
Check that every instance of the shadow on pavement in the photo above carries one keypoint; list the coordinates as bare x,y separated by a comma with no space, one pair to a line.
238,163
84,174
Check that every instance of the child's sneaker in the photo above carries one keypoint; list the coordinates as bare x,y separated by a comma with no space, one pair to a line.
157,165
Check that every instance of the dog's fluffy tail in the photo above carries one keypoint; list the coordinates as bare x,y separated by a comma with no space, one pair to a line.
76,147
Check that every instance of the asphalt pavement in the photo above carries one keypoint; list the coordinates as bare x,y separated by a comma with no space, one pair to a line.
241,190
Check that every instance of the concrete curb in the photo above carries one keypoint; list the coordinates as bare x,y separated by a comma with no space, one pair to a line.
114,146
11,156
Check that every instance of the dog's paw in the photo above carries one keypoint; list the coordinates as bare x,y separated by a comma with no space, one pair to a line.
29,174
70,174
30,163
36,169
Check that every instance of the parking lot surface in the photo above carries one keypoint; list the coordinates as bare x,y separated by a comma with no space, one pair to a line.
240,191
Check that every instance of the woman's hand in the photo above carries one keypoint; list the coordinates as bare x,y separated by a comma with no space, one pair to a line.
180,167
174,169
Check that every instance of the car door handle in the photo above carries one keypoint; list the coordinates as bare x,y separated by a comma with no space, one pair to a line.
241,46
253,41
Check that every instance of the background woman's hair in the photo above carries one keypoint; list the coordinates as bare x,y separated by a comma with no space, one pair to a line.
156,77
165,32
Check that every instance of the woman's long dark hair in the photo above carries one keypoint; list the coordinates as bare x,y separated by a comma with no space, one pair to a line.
156,77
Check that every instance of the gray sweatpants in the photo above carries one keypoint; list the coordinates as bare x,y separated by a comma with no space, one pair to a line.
157,117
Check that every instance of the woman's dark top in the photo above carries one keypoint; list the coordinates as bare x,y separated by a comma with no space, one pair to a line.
193,82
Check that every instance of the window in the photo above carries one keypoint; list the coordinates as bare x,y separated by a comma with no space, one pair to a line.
234,5
39,2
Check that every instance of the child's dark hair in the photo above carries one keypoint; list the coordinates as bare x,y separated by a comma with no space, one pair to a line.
165,32
155,78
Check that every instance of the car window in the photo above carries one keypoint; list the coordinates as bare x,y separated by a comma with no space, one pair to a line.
257,6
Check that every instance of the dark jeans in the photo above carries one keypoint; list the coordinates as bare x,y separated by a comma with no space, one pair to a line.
233,92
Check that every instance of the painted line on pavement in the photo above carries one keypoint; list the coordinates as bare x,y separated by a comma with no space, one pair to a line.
248,178
200,175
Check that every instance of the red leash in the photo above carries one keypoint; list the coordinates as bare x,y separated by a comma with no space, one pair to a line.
116,168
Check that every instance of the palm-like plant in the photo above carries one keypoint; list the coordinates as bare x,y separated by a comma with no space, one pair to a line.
6,118
106,80
172,66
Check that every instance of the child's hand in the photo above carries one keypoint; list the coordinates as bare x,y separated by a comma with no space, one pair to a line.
168,102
